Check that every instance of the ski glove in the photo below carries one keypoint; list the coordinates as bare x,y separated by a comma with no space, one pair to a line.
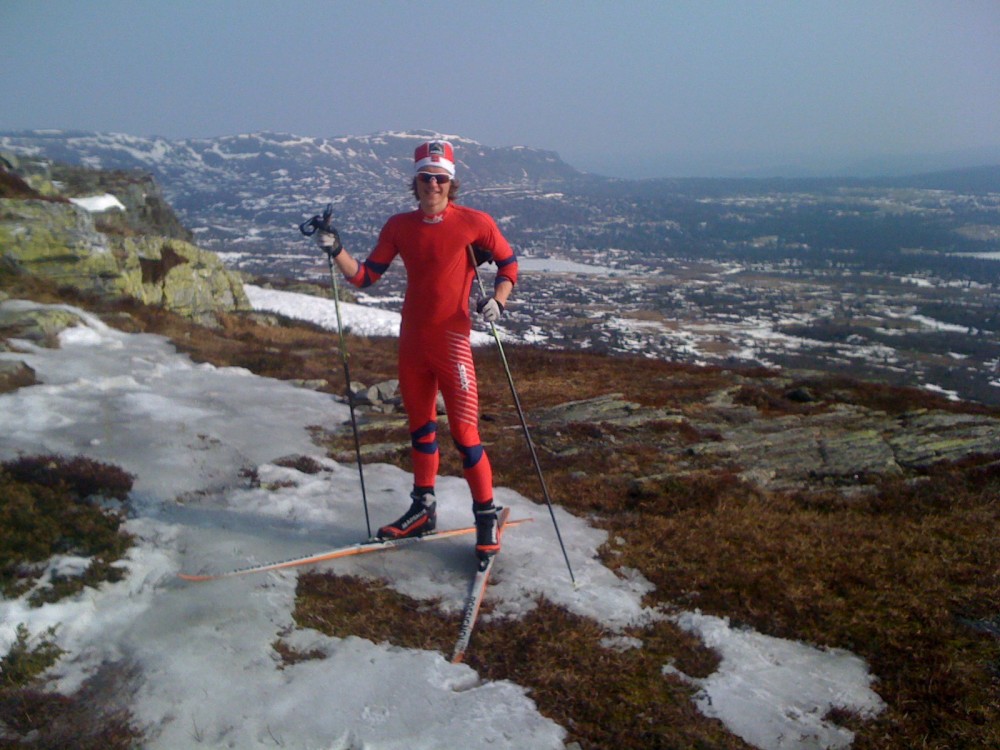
490,309
329,240
482,255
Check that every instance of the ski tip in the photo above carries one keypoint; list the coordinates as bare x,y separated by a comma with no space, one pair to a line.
195,577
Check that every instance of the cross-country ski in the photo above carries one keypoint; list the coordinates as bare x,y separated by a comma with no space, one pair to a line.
361,548
476,593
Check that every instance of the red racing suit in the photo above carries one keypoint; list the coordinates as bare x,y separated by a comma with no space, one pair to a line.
434,350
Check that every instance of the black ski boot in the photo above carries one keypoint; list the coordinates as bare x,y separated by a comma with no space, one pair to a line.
420,519
487,531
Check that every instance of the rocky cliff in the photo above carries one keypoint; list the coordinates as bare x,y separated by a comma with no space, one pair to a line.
111,234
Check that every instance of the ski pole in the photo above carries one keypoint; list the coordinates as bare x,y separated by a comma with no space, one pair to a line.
524,423
309,228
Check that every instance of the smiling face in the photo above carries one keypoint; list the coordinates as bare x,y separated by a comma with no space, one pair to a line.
433,194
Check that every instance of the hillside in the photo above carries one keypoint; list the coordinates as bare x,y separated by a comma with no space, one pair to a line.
891,280
738,531
762,498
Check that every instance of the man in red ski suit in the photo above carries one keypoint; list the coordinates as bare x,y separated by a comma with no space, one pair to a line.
434,350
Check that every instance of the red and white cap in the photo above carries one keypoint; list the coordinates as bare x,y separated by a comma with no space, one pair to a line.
435,154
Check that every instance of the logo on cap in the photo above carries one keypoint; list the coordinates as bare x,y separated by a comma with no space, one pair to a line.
436,154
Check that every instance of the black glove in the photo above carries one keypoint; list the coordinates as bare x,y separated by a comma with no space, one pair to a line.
490,308
328,238
482,255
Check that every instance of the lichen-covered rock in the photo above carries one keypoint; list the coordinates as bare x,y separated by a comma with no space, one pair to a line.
611,408
59,241
844,446
922,439
28,321
180,277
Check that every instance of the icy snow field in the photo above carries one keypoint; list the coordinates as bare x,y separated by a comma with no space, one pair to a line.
209,675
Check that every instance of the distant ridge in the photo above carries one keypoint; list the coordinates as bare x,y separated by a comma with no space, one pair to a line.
384,156
245,188
984,179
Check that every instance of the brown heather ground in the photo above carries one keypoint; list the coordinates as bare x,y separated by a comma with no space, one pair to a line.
46,508
908,579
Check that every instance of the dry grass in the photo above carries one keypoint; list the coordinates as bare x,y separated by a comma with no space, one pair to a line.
345,605
94,718
48,506
900,580
606,697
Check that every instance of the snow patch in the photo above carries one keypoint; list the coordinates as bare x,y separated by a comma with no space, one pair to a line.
96,204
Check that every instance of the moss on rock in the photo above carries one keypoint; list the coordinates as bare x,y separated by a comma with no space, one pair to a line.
59,241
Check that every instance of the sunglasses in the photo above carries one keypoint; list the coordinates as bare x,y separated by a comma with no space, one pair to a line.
429,177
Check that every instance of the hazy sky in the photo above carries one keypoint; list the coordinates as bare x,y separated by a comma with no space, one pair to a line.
626,88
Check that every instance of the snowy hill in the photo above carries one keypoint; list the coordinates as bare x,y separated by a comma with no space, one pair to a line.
208,674
253,187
